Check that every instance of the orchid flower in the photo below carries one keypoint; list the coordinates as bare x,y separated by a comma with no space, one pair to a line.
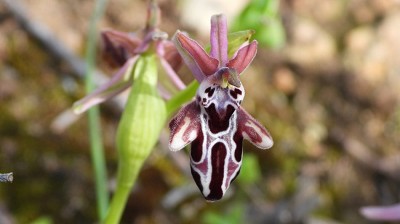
120,49
214,122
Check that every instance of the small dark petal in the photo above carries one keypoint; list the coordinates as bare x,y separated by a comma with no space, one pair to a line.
114,56
117,47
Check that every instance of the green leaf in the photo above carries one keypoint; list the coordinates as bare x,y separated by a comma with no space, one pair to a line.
272,35
263,17
270,7
236,39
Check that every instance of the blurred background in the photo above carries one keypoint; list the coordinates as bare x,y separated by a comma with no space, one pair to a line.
325,82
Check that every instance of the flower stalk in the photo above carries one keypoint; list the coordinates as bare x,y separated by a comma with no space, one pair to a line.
96,146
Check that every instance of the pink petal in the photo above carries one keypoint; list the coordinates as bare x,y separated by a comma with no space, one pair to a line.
118,83
219,39
184,126
171,72
244,56
384,213
253,131
199,62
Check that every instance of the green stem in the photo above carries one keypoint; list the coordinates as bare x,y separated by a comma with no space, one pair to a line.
96,147
98,162
121,195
